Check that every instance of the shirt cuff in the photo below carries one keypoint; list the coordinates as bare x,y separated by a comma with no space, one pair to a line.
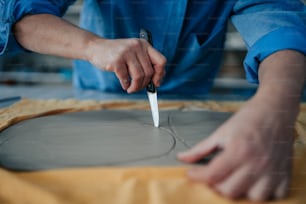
15,10
25,7
287,38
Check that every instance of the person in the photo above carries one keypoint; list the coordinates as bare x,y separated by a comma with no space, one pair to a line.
188,38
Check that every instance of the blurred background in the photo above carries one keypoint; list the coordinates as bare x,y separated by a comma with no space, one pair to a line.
32,69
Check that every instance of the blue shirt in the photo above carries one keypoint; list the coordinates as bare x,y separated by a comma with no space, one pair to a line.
189,33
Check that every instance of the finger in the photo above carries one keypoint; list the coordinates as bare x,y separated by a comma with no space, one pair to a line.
146,65
237,184
136,74
158,62
282,189
279,180
123,76
283,172
199,151
283,178
217,170
262,189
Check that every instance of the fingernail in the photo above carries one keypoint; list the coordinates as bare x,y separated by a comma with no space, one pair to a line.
126,81
189,152
157,84
192,172
125,84
182,154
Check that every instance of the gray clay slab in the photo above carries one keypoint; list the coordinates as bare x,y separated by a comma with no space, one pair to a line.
104,138
192,127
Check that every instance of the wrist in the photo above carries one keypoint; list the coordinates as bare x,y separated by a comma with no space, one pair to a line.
282,77
90,46
280,104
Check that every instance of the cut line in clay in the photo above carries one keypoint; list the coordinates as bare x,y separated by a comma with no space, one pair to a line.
104,138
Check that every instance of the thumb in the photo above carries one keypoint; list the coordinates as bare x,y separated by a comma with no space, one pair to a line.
202,149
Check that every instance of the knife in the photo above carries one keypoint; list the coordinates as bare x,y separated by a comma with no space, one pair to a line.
151,89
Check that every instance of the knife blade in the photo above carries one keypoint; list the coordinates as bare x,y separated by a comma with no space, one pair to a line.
151,89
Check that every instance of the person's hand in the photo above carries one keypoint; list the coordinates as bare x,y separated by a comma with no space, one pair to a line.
134,61
256,150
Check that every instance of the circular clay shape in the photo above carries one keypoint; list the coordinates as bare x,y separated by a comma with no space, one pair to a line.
94,138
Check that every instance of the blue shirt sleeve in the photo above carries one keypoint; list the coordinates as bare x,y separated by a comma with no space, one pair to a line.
268,26
12,11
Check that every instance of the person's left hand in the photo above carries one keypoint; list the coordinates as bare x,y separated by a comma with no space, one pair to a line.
256,157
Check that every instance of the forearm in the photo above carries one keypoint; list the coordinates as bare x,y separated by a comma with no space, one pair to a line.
134,61
282,77
48,34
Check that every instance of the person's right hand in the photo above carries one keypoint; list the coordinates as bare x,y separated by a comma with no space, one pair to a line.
134,61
